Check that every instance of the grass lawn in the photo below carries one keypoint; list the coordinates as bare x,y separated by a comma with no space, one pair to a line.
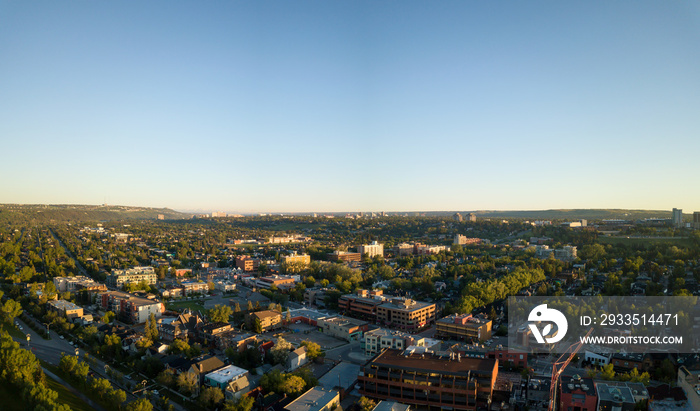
67,397
193,305
14,331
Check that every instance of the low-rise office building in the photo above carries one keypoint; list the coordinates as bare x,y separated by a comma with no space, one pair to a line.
463,327
429,379
344,328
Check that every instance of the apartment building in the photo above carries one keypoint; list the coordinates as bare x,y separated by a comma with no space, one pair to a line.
463,240
129,307
371,249
302,259
463,327
132,275
193,287
430,380
269,320
77,283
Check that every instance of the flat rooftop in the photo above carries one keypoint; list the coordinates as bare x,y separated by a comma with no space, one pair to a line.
314,399
430,362
228,373
344,373
65,305
413,306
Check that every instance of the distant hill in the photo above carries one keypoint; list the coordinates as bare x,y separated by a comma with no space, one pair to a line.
80,213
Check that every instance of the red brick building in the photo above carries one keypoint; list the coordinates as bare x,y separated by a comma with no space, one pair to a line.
427,379
577,394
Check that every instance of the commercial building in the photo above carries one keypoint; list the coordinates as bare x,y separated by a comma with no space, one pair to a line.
696,220
344,256
247,263
371,249
395,312
348,329
688,381
471,217
66,309
279,281
619,396
428,379
377,340
577,393
132,275
464,327
406,314
315,399
269,320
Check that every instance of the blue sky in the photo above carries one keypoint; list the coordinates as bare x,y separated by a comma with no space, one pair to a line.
344,106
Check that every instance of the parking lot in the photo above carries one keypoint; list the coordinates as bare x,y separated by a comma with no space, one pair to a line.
303,332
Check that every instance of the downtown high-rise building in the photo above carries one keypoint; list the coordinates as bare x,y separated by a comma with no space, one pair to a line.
677,218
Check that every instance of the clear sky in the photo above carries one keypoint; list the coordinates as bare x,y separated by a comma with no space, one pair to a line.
247,106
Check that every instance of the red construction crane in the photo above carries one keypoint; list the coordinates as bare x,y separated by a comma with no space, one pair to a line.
563,361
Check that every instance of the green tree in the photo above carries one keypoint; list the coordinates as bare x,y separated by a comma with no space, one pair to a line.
272,381
108,317
257,325
366,404
141,404
210,397
187,382
178,346
608,373
313,350
11,310
280,351
293,385
151,329
244,403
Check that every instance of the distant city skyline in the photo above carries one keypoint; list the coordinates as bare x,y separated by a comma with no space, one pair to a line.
331,107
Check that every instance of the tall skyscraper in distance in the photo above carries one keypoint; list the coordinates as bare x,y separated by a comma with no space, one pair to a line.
677,218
